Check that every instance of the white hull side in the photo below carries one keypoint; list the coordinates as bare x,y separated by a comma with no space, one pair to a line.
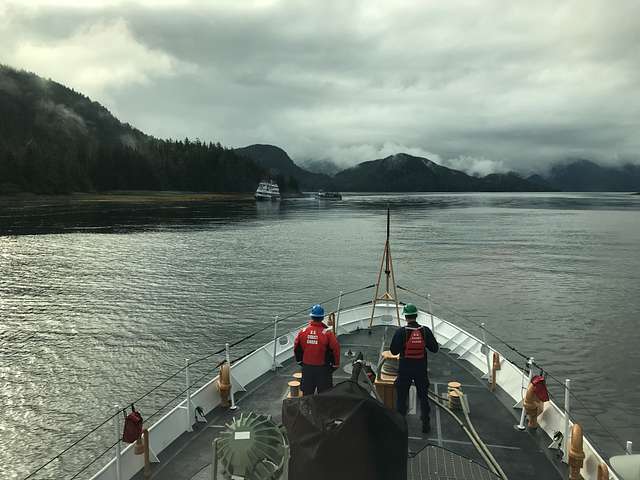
510,378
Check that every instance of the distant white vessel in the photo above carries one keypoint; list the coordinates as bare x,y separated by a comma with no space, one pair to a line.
322,195
268,190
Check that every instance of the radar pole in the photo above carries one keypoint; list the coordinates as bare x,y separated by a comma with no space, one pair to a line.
386,265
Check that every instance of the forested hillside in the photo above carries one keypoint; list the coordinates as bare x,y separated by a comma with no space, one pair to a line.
56,140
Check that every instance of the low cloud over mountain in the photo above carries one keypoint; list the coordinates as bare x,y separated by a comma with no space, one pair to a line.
480,86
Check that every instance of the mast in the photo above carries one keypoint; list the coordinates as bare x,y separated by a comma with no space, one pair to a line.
387,265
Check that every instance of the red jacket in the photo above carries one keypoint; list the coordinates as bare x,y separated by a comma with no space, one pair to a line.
316,344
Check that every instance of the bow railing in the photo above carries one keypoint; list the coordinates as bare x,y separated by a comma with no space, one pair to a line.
83,457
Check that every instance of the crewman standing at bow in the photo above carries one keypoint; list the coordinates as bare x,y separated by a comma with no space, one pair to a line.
317,349
412,342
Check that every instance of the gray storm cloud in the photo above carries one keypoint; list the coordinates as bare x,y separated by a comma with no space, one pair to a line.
482,86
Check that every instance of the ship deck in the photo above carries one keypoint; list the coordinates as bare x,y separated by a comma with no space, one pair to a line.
444,453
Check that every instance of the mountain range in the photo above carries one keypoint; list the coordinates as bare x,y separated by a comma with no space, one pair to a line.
586,176
395,173
56,140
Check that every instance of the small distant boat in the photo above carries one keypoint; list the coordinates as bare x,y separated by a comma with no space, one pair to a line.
322,195
267,190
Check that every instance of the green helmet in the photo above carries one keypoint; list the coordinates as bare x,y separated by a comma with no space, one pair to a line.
409,309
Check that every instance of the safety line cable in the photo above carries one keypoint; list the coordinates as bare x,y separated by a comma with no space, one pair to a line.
572,415
467,319
208,372
51,460
94,460
270,324
182,369
180,394
545,372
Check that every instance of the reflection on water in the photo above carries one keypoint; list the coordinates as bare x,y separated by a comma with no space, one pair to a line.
89,318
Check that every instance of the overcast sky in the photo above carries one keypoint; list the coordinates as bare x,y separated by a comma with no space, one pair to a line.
479,85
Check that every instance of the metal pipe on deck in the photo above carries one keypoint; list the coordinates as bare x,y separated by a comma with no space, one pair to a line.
188,427
523,414
232,395
567,420
118,432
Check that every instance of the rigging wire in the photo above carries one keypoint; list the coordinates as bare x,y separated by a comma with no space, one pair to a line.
467,319
170,377
51,460
77,474
545,372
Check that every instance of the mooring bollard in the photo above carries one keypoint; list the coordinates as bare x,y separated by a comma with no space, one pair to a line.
118,431
576,452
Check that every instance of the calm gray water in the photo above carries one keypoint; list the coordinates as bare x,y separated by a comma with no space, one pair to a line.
101,302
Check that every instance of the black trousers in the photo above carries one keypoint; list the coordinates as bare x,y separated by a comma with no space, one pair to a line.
408,373
314,377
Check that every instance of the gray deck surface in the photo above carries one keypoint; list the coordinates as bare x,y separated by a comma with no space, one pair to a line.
439,463
522,455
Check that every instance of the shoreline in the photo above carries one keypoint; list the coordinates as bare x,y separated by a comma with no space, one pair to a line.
134,196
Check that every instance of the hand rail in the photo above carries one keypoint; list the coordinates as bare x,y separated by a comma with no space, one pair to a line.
526,357
172,376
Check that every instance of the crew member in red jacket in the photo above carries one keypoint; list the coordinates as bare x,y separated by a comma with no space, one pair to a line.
317,349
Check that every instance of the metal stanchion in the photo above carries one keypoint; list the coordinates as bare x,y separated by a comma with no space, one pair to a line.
188,399
118,431
487,351
523,415
567,420
433,326
274,367
338,313
233,400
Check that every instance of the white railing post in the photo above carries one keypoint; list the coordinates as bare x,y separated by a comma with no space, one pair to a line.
338,312
233,399
274,367
629,447
118,432
433,327
487,351
523,414
567,420
188,400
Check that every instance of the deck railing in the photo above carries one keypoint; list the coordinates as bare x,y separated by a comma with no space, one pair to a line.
173,408
86,454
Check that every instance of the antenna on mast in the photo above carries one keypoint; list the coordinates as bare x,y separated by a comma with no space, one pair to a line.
387,265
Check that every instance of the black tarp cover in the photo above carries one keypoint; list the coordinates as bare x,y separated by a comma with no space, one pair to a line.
345,434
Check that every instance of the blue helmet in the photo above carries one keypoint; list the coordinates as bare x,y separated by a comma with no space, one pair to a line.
317,311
